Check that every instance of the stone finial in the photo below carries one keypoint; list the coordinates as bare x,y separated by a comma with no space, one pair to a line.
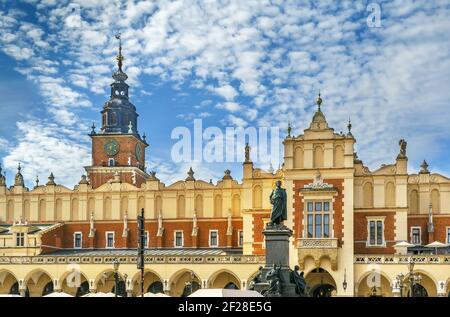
424,168
247,153
51,180
37,181
190,175
83,180
93,128
227,174
319,101
130,127
18,180
349,128
271,169
289,130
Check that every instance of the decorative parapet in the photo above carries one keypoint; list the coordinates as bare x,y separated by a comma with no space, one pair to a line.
133,259
317,249
401,259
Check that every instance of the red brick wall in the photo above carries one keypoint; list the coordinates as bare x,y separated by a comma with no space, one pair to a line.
52,240
440,224
338,208
66,233
360,233
258,237
98,179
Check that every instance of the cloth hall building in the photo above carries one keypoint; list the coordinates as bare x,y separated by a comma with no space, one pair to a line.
355,231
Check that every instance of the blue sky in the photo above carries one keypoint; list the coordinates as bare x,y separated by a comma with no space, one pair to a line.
231,63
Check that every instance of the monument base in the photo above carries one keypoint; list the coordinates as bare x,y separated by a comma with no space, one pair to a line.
276,275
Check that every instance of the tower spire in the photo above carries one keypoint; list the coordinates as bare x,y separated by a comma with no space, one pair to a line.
120,57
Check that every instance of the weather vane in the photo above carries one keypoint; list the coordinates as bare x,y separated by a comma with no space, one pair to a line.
120,57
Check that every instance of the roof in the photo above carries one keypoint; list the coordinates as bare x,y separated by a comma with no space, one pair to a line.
148,252
5,229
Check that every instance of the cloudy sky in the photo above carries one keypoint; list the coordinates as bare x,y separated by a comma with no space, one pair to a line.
250,63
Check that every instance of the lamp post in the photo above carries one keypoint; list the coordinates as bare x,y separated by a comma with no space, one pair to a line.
344,283
413,279
116,265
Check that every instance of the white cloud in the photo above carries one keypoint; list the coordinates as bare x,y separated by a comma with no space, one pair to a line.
226,91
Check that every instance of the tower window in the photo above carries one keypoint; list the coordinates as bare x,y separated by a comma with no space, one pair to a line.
318,219
111,162
20,239
375,232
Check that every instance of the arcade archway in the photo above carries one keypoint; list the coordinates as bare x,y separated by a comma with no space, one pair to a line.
320,283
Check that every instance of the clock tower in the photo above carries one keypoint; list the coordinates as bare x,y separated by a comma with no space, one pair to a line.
118,149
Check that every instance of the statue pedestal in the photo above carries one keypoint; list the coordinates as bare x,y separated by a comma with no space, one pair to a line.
277,253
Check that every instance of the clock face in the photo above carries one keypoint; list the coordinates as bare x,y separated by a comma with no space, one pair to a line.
111,147
138,151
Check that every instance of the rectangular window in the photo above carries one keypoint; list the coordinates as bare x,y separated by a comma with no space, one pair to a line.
109,240
376,232
415,235
178,241
372,232
326,226
379,232
241,238
310,226
448,235
20,239
318,206
77,240
213,238
318,220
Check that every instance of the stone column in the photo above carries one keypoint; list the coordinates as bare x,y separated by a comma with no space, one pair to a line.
395,290
166,286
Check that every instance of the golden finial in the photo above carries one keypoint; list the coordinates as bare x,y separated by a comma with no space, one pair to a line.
120,57
319,101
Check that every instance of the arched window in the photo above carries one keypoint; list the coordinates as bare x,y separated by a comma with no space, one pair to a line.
26,210
75,215
368,195
107,213
339,156
158,205
10,211
318,156
435,200
390,195
91,208
257,197
123,207
42,210
141,204
181,207
218,206
298,157
414,202
199,205
236,206
58,209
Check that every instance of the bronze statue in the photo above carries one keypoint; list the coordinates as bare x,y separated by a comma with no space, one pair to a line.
402,144
299,280
257,279
278,201
274,279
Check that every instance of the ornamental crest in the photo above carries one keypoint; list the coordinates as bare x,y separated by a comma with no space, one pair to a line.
318,183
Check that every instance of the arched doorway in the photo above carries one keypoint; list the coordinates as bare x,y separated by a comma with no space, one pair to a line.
425,288
74,283
152,283
224,279
184,283
105,283
38,283
374,284
8,283
320,283
155,288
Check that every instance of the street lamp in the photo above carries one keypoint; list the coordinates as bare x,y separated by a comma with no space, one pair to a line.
413,279
116,265
344,284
